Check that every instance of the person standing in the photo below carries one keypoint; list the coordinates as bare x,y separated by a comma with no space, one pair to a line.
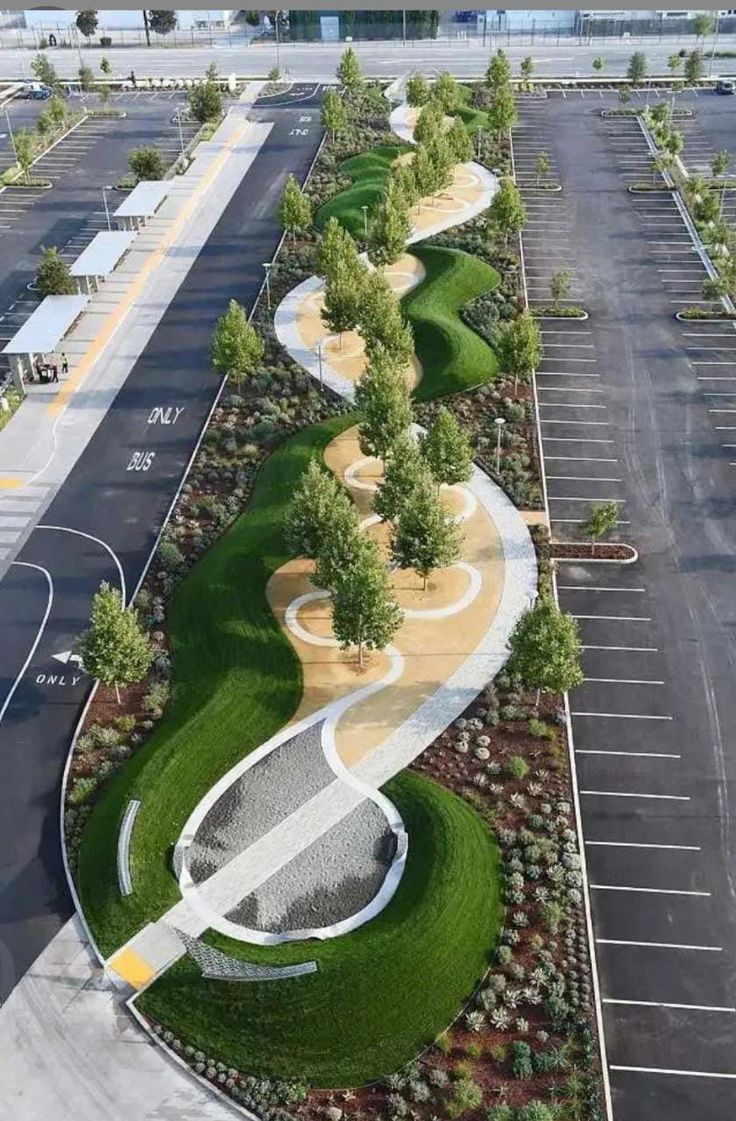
64,364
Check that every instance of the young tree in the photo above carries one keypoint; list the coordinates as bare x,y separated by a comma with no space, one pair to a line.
44,71
348,71
318,504
147,163
334,115
499,70
105,67
541,167
402,183
364,609
86,23
703,25
86,79
335,246
417,91
445,93
295,210
25,149
441,159
597,64
502,111
103,92
461,147
116,650
389,230
425,537
661,163
527,67
425,175
624,95
53,277
381,321
520,347
429,123
343,297
637,69
406,468
674,142
162,21
693,68
507,213
719,166
382,397
205,101
236,348
57,111
602,518
447,450
674,62
559,286
545,649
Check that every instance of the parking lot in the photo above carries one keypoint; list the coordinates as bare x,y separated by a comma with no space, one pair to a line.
637,407
92,156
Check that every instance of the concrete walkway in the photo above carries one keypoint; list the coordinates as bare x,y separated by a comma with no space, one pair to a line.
72,1052
47,435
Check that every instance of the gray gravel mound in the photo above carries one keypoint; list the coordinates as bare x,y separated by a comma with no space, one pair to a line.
332,879
262,797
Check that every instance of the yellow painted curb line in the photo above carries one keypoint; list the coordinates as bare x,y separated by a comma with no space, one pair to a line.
10,482
114,320
132,968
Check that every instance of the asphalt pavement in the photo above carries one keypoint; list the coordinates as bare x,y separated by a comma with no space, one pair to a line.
638,408
386,59
103,524
92,156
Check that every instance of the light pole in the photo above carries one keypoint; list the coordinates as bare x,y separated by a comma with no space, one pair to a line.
364,208
181,134
12,138
107,208
267,267
278,44
715,44
319,355
499,422
478,134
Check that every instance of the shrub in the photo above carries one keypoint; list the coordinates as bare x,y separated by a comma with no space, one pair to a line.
466,1096
82,790
444,1043
170,557
500,1112
156,699
474,1051
147,162
521,1060
552,915
518,767
536,1111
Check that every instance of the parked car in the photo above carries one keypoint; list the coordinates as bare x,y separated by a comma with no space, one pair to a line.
725,86
36,91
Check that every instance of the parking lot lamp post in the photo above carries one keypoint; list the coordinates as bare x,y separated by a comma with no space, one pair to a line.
181,134
715,43
12,138
364,208
319,355
107,208
499,422
267,267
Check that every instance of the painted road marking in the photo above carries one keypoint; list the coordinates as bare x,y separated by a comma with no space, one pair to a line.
635,794
658,945
622,716
665,1004
672,1071
643,845
649,890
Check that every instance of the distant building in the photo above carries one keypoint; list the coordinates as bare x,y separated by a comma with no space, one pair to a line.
526,19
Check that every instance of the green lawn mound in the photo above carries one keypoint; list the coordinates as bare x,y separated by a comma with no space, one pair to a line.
369,173
237,680
382,993
453,357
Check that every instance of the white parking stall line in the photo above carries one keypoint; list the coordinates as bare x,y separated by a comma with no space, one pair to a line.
576,440
579,459
635,794
671,1071
658,945
642,845
664,1004
588,588
621,715
583,423
564,374
587,498
627,754
650,890
582,479
576,405
568,389
616,619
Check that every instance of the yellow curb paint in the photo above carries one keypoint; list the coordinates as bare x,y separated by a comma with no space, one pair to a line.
132,968
10,482
115,318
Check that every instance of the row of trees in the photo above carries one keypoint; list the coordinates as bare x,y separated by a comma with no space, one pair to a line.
161,21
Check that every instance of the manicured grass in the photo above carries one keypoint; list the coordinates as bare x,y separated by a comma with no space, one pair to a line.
369,173
382,993
454,358
237,680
